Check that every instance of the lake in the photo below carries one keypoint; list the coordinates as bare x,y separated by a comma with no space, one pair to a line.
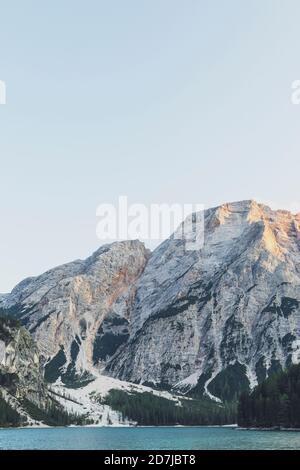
185,438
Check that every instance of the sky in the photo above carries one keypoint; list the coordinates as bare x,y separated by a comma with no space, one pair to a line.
164,101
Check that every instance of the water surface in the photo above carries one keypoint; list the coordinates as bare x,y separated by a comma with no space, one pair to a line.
185,438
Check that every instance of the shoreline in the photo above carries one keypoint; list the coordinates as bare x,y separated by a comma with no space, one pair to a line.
223,426
274,428
45,426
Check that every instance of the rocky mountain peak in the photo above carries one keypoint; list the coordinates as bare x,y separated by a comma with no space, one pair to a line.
64,308
231,306
188,319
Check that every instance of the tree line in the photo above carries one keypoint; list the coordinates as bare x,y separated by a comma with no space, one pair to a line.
8,416
273,403
148,409
53,414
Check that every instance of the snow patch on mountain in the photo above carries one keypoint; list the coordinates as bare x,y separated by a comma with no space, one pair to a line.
86,401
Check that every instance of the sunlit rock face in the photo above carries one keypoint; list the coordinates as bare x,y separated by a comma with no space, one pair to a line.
227,314
71,308
215,320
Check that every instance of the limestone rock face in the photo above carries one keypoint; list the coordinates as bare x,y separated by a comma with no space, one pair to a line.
214,320
20,371
226,314
64,309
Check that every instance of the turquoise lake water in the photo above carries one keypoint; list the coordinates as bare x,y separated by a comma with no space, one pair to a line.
188,438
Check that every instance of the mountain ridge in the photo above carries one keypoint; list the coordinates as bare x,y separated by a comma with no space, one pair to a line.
175,319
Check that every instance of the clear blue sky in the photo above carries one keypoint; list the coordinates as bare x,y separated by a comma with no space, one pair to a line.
160,100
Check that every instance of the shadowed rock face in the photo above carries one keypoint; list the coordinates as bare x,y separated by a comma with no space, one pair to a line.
228,313
20,371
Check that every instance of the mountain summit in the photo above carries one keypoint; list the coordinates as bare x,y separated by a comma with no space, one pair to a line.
213,321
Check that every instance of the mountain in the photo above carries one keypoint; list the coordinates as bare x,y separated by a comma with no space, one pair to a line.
21,376
20,371
79,313
26,399
220,319
214,321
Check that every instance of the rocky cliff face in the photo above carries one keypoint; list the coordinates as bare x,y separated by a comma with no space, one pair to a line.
211,321
79,313
219,319
20,372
